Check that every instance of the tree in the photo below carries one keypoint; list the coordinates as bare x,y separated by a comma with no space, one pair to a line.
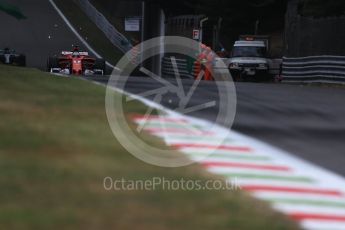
321,8
11,10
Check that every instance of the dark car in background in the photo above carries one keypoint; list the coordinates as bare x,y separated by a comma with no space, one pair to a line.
11,57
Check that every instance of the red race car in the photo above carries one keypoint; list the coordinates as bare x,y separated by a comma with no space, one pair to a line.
76,62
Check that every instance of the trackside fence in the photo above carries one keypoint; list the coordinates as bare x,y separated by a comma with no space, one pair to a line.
323,69
115,37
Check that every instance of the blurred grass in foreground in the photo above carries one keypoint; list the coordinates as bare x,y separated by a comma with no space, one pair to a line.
56,148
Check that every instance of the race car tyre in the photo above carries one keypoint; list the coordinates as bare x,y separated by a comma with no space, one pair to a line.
2,59
100,65
52,62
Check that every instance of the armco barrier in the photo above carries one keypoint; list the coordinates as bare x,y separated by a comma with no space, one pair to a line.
168,70
115,37
329,69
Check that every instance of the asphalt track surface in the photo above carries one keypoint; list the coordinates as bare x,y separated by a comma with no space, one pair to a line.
306,121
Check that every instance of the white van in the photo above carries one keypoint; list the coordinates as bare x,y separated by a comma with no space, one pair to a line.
249,59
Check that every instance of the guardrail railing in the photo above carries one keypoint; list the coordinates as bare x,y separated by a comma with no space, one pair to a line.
328,69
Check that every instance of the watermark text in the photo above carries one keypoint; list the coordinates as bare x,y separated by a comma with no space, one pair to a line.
164,184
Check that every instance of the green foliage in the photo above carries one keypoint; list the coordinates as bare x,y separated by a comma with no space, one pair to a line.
11,10
218,6
321,8
239,17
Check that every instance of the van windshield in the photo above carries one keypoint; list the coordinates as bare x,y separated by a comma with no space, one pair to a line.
249,51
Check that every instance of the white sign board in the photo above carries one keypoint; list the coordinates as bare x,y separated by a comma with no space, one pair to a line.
196,34
132,24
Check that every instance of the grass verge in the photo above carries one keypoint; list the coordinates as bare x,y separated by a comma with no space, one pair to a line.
88,30
56,148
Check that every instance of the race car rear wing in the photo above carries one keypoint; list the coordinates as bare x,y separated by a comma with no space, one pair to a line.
70,53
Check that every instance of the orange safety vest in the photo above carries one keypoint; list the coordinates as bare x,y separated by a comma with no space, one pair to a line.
209,66
198,65
197,69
